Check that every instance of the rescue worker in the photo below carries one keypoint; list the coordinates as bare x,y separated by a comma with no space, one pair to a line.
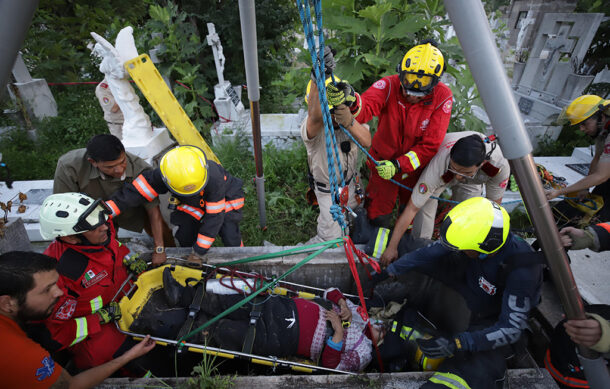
413,108
500,282
592,115
112,112
92,266
28,292
100,170
464,163
593,332
313,134
208,200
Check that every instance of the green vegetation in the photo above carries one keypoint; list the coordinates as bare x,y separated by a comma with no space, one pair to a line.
289,219
206,375
80,117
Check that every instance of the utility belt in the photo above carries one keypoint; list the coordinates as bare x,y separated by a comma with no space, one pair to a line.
323,187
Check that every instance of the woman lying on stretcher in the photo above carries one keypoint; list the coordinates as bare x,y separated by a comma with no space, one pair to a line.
329,331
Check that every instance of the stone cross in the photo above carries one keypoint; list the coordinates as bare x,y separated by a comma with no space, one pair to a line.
219,58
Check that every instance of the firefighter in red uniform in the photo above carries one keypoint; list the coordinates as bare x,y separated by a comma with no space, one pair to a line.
208,199
92,266
414,109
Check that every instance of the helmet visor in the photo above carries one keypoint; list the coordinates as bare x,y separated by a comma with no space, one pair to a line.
416,82
93,217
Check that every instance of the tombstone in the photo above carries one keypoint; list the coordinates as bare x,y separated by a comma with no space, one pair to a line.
227,98
139,136
550,78
34,93
13,236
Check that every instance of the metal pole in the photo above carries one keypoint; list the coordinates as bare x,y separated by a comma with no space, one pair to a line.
247,17
15,19
475,36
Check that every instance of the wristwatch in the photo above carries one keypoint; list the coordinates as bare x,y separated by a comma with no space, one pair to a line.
159,249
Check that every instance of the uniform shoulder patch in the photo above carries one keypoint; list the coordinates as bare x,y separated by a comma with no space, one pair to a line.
381,84
72,264
447,106
66,310
423,188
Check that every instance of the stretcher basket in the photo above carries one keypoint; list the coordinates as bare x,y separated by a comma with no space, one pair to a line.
150,281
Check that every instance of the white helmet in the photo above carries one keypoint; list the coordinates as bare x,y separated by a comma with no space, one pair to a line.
64,214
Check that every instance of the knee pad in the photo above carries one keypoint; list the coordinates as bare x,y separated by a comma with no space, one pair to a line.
382,221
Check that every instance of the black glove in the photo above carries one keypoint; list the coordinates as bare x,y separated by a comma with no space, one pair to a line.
369,285
329,60
438,347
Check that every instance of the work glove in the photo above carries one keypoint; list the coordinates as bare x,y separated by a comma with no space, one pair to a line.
581,239
343,116
342,93
135,264
109,313
387,169
438,347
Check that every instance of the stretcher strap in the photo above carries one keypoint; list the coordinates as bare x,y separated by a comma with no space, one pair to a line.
255,314
194,309
246,300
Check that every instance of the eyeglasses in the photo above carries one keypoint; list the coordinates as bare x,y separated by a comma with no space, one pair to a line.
449,169
93,217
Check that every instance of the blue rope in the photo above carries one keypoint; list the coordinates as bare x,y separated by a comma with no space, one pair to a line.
331,142
317,59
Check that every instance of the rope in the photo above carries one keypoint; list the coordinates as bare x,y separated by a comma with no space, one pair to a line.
246,300
332,150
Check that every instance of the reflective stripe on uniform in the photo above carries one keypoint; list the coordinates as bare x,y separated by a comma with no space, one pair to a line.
114,208
144,188
412,155
216,207
450,380
197,213
96,304
381,241
204,241
234,205
81,330
406,333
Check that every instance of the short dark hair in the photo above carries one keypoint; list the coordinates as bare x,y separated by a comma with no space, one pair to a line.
468,151
105,147
17,269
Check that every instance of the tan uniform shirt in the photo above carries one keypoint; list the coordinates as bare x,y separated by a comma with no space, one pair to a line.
74,173
318,164
431,182
317,159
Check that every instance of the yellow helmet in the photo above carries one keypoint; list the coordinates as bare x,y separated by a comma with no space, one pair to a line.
328,81
421,69
582,108
475,224
184,170
425,363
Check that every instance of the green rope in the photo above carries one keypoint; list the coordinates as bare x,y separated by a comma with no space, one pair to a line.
292,251
253,295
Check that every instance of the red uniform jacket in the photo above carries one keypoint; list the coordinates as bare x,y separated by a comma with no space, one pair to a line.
416,130
89,276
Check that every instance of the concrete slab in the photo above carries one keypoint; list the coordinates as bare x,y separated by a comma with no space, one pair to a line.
517,378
